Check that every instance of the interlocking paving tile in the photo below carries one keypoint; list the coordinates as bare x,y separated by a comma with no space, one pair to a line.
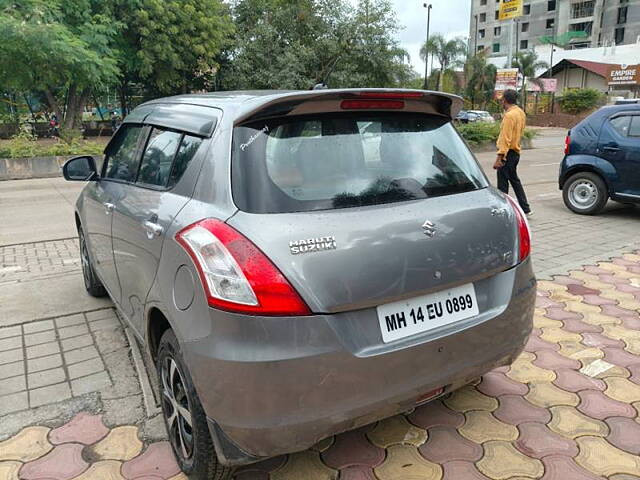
622,390
551,360
44,363
353,449
535,344
524,371
357,473
256,470
396,430
557,335
46,377
571,423
482,426
495,384
304,465
573,381
598,340
445,444
435,414
537,441
29,444
562,314
157,460
103,470
49,394
558,467
515,410
323,444
620,357
547,394
635,373
404,461
624,434
468,398
541,321
64,462
502,461
597,405
84,428
459,470
602,458
578,326
121,443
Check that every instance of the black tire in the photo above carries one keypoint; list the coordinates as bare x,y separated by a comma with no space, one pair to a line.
585,193
91,282
200,461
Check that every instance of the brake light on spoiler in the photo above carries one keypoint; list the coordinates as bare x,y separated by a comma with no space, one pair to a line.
378,100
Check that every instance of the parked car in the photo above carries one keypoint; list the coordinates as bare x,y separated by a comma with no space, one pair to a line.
471,116
627,101
299,264
602,160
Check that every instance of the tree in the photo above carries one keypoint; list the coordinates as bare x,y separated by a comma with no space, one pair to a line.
481,79
60,48
170,46
447,52
286,44
528,64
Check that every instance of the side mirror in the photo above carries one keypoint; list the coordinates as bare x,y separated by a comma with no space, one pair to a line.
82,169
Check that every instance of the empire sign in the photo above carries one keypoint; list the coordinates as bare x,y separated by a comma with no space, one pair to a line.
623,75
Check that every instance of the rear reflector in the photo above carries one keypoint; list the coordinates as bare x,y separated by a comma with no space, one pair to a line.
524,233
429,395
372,105
235,274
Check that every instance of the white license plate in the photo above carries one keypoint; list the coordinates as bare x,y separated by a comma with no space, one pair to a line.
420,314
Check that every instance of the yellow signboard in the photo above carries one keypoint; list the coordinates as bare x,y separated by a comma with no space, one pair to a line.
510,9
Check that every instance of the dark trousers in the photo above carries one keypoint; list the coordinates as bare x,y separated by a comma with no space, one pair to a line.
509,174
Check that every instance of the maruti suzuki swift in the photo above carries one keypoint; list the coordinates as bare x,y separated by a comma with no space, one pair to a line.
300,264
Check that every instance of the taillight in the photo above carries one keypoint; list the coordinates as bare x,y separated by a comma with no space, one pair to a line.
524,233
372,104
388,95
567,143
235,274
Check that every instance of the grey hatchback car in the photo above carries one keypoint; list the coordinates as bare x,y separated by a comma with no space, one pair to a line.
302,263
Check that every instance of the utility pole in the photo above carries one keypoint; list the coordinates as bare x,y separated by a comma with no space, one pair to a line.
475,36
426,46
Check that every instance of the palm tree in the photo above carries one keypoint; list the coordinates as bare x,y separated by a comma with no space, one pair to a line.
481,78
528,64
448,53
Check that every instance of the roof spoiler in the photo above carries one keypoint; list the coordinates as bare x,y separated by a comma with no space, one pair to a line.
328,100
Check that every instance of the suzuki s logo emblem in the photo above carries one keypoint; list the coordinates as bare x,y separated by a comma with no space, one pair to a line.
429,229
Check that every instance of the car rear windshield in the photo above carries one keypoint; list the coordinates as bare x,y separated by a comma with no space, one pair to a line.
330,161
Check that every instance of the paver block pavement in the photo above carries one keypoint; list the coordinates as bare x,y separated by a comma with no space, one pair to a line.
567,409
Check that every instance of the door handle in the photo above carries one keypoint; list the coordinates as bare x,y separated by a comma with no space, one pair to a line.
153,229
108,207
611,149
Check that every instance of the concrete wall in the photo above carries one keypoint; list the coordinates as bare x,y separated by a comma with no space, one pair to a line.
579,78
32,167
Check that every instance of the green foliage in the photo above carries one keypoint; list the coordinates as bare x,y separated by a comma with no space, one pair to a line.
449,54
580,100
25,146
294,44
479,133
481,79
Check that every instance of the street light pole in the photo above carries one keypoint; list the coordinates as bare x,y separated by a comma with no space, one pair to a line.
475,36
426,46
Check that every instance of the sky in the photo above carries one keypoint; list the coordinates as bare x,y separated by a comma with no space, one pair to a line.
448,17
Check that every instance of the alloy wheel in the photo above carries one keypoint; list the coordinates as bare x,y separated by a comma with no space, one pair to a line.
176,409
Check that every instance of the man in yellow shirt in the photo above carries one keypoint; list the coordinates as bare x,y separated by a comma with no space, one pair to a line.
508,143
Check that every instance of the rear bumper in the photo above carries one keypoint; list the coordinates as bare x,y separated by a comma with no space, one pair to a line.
278,385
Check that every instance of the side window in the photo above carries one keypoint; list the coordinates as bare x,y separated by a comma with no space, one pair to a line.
621,124
186,152
634,129
158,156
122,162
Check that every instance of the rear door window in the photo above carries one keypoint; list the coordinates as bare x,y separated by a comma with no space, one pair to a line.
346,160
122,154
621,124
158,156
634,127
188,148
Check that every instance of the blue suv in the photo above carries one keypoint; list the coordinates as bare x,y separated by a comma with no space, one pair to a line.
602,160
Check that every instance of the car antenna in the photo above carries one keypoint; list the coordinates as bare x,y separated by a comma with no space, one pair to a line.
323,84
